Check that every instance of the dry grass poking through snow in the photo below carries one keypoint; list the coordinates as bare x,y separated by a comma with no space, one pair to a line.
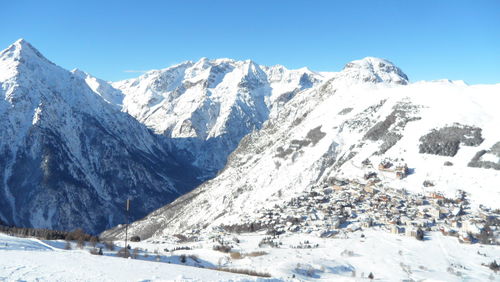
238,255
244,271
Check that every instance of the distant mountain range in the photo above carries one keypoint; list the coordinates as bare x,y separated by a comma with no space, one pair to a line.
75,147
206,107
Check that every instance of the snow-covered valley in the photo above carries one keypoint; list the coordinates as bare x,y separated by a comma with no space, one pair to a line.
294,174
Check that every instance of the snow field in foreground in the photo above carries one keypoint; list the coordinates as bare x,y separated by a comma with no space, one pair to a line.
350,258
26,259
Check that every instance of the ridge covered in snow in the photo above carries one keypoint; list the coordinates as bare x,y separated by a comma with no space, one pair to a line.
442,134
206,107
68,157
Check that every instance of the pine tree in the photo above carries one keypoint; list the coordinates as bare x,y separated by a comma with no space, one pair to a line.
420,234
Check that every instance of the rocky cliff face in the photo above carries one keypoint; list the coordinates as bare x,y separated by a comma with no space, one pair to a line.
69,158
208,106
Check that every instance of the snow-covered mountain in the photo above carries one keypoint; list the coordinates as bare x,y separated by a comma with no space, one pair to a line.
102,88
442,134
69,157
208,106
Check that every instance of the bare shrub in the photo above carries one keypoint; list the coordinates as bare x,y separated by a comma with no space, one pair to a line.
247,227
494,266
305,269
347,253
452,270
180,248
78,234
135,253
96,251
244,271
345,111
194,258
268,242
236,255
406,268
67,246
256,254
80,243
183,238
93,241
222,248
123,253
110,245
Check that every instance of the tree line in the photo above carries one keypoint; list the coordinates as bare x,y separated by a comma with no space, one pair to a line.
48,234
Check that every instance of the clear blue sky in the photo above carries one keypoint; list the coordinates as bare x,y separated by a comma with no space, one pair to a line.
428,39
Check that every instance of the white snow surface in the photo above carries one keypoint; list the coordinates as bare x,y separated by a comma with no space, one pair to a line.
101,87
26,259
353,257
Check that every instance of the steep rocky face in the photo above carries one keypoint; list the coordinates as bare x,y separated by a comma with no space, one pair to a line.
341,130
206,107
69,158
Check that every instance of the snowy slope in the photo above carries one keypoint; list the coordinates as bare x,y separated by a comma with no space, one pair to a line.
365,112
68,157
101,87
209,105
25,259
387,256
353,257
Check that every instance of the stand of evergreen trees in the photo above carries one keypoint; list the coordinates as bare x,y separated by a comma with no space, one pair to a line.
47,234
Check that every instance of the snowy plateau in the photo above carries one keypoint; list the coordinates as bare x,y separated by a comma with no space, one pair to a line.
273,174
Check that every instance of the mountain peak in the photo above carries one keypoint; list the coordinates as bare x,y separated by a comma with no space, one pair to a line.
23,51
372,69
78,72
22,55
21,41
